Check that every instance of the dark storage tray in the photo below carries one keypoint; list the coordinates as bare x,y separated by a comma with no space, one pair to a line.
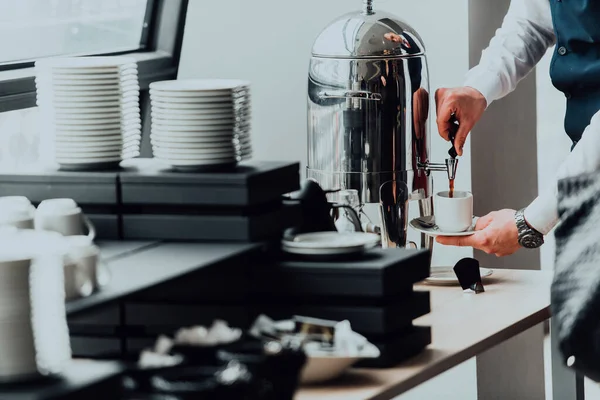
250,184
399,348
83,187
366,320
236,228
106,225
380,273
156,319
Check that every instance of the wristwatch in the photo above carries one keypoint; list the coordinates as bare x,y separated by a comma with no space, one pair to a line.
529,238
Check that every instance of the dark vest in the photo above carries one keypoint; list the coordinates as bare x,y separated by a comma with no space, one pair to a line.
575,68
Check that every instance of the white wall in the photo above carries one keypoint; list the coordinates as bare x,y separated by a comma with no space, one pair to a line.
269,43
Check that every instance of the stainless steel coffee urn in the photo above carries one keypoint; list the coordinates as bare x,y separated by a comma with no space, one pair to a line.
368,121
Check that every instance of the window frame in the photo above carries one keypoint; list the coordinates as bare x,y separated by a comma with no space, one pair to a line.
162,37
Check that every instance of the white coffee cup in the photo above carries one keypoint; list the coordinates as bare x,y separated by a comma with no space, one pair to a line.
60,215
17,212
454,214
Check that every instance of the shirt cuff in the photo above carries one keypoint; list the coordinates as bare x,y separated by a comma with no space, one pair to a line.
542,213
488,83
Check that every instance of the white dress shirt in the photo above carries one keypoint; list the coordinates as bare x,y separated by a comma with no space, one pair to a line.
526,34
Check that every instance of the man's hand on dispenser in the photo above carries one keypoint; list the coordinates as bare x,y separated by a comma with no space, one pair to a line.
466,105
496,233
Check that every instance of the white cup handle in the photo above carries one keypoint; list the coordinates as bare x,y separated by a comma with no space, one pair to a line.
103,275
91,230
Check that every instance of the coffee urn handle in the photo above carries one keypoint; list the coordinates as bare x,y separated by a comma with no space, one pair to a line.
351,94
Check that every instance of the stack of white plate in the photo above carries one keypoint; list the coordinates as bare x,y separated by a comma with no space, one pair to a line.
91,105
34,338
201,123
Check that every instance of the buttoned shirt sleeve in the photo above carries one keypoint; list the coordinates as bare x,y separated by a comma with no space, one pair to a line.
525,36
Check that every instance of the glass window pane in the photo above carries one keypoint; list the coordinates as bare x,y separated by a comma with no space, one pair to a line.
20,140
33,29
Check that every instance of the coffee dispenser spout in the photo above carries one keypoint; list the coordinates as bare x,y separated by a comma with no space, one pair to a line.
449,167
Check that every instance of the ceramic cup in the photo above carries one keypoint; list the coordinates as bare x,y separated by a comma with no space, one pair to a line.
17,212
61,215
454,214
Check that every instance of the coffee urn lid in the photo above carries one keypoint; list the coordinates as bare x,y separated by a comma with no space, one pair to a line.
368,34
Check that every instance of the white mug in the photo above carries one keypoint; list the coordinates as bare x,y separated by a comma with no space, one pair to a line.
454,214
17,212
62,216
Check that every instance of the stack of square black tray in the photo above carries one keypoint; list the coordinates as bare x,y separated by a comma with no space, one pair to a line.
374,293
97,193
146,201
244,204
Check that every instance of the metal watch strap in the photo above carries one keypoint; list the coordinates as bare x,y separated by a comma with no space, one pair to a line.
529,238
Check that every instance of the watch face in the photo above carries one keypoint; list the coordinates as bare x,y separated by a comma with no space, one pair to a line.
531,241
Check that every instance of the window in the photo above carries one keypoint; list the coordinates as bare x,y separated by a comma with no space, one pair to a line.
149,30
45,28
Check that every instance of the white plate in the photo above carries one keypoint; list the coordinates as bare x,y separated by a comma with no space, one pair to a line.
70,143
191,140
166,146
86,102
333,240
445,276
78,74
105,62
100,132
209,131
435,231
100,94
102,90
194,125
191,100
184,153
199,103
207,158
91,160
195,85
207,107
91,97
134,108
196,163
54,81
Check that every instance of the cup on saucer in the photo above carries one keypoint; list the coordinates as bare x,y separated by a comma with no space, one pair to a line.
454,214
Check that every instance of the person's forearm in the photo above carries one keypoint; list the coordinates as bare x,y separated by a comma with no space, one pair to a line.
542,214
520,43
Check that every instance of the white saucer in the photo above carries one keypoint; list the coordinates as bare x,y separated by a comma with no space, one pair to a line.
445,276
435,231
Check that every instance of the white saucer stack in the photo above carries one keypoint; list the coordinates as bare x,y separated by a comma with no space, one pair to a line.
34,337
91,105
201,124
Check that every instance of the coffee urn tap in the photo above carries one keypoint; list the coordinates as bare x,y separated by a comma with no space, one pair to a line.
368,121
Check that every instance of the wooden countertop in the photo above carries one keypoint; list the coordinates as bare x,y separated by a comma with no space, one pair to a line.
463,326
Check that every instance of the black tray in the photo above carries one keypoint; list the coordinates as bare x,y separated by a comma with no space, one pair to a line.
365,319
83,187
249,184
266,225
379,273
